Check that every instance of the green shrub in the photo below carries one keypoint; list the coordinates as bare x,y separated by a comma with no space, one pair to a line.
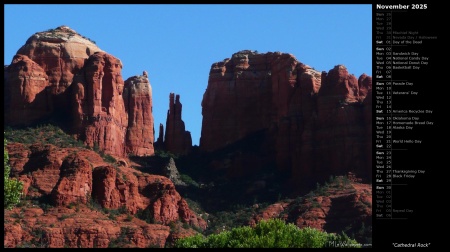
196,241
129,217
165,154
12,187
44,134
145,215
108,158
188,180
122,240
273,233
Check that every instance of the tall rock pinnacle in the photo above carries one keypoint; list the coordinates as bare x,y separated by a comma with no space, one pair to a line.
138,104
177,139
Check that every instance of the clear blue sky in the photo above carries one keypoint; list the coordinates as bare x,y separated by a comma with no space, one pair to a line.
176,44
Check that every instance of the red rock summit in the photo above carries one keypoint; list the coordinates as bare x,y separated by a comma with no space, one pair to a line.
61,52
138,104
59,73
40,73
314,123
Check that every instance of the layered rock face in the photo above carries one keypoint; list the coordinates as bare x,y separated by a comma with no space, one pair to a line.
97,104
164,203
73,175
75,182
237,100
26,98
315,122
61,52
79,227
368,127
177,139
344,206
334,141
138,104
114,190
61,74
43,69
70,177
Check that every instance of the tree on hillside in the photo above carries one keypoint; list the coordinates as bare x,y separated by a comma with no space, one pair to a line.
13,187
274,233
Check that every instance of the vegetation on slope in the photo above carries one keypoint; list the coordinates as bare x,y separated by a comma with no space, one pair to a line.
12,187
272,233
216,199
45,134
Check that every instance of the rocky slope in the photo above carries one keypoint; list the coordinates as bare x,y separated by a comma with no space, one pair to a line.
69,192
312,124
343,205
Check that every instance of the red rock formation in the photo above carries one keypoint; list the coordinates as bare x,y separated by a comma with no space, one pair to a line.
346,205
61,52
68,176
78,227
365,85
13,235
114,190
19,155
39,166
274,211
138,104
178,140
182,234
367,115
98,106
335,212
165,203
70,179
338,139
75,182
237,100
160,141
59,73
314,122
26,97
298,122
41,72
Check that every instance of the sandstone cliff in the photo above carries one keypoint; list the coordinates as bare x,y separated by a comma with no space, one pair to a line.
98,108
60,74
138,104
41,72
314,123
